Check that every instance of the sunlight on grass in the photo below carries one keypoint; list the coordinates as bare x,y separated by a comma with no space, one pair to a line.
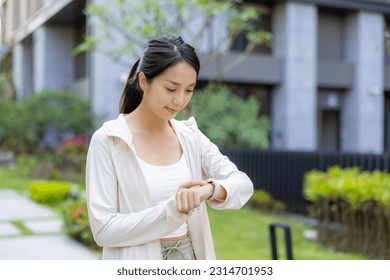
14,178
22,228
244,235
17,178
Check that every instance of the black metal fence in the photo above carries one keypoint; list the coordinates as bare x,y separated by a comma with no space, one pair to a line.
281,172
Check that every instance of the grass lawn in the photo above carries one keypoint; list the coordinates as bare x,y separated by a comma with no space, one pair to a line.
17,178
244,235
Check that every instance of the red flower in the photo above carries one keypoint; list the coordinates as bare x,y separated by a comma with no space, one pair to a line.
77,142
78,212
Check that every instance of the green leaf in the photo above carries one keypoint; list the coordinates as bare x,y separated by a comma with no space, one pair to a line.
94,9
90,42
147,29
259,37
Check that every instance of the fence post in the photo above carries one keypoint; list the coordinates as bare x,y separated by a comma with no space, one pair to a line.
287,239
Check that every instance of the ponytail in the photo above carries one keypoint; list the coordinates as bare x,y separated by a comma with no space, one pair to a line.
132,93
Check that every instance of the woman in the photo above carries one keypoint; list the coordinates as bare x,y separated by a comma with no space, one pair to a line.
149,175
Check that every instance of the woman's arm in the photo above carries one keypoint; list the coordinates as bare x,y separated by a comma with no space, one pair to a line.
236,187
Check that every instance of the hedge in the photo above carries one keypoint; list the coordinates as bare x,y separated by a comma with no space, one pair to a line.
353,209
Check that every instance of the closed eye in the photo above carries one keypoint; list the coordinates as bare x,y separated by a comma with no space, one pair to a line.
170,89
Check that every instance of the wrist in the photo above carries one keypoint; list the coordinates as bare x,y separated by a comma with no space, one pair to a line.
216,188
210,190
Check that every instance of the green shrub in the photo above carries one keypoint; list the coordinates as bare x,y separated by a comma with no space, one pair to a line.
75,216
27,121
27,161
7,123
263,200
72,154
351,184
49,191
6,86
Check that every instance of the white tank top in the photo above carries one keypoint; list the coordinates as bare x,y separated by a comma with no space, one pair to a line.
163,182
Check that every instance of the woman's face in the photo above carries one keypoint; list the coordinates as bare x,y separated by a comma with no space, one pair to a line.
169,92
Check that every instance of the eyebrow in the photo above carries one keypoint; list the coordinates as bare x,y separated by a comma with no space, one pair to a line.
178,84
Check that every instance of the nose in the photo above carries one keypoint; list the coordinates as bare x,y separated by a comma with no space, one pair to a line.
178,99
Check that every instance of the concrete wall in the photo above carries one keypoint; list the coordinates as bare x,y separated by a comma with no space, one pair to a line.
106,86
294,103
22,71
53,62
362,115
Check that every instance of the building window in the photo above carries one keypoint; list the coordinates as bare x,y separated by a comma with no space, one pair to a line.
262,94
329,123
330,35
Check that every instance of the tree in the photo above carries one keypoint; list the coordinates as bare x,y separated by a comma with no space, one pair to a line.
235,122
132,23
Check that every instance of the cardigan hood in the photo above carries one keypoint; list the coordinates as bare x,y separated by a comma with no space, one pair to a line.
119,128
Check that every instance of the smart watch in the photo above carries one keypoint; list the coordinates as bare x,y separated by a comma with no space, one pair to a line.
217,188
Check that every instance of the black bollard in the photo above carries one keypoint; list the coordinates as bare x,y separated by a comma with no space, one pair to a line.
287,239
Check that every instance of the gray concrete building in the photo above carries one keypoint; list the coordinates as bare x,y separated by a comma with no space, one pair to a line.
324,83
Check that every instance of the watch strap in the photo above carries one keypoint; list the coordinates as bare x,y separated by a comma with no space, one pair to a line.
217,189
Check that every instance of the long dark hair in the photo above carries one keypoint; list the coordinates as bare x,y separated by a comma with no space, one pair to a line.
160,54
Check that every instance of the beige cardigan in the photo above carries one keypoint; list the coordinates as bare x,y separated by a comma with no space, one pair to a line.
122,217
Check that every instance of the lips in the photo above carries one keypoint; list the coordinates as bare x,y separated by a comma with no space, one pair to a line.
171,110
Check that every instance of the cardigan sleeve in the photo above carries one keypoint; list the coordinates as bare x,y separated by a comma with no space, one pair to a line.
215,165
109,227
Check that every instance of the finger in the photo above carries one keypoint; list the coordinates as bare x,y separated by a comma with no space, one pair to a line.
191,184
190,199
196,197
197,200
178,201
184,202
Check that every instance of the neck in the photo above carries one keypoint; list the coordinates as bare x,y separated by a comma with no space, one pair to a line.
143,119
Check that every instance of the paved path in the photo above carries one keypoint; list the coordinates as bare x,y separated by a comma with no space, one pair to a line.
48,240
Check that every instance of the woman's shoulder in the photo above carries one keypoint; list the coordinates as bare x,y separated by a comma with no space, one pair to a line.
99,136
103,132
114,127
188,125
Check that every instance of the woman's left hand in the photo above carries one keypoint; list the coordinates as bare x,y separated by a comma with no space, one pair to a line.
190,194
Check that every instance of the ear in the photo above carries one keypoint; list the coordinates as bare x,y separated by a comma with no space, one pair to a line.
143,83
